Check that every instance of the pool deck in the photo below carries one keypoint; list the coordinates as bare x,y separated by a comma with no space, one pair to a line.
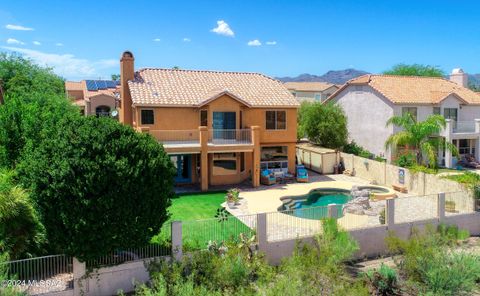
266,199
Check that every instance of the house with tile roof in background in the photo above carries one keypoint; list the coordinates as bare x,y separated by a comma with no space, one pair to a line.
370,100
94,97
218,127
311,91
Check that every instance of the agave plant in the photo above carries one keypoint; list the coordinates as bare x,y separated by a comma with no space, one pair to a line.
422,137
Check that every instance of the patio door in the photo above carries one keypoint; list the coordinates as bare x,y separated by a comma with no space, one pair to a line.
224,125
183,164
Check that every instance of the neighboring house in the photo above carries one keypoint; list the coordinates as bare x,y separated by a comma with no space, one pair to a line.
94,97
370,100
218,127
311,91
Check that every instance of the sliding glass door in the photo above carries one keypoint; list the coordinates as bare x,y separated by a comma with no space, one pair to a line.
224,125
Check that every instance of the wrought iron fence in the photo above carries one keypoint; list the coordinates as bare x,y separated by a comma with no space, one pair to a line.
54,272
125,255
458,203
416,208
197,234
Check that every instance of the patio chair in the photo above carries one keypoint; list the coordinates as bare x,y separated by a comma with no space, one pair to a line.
302,174
267,178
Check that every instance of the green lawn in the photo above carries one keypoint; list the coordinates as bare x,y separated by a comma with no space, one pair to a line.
199,224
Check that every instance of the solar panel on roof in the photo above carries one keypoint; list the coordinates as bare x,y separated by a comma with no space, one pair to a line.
101,84
91,85
111,84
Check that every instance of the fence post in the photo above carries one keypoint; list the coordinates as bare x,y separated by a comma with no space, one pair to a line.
390,213
441,207
262,231
80,284
332,211
177,251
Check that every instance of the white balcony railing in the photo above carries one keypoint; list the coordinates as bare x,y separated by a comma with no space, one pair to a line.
463,126
230,136
176,137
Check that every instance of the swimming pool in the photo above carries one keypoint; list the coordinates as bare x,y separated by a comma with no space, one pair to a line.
314,204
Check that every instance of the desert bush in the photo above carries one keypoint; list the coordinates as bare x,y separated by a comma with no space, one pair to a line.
431,266
384,281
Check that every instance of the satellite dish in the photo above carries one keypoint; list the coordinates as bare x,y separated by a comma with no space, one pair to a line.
114,113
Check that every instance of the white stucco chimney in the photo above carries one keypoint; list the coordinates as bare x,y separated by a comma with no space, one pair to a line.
459,77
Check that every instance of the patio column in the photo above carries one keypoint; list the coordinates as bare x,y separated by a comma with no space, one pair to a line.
448,139
256,156
477,140
203,135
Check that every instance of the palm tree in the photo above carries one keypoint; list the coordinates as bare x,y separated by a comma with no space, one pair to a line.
422,137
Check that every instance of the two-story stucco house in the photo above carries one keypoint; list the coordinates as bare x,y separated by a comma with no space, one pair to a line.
370,100
311,91
218,127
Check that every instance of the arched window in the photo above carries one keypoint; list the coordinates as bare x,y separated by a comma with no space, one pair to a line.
102,111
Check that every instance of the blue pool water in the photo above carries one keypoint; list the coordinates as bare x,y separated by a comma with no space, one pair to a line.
314,205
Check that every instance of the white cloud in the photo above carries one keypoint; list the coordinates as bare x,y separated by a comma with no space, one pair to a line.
18,28
66,65
186,40
271,43
36,43
223,29
59,44
14,41
156,39
255,42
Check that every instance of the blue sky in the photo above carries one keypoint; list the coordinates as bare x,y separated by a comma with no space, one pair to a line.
84,39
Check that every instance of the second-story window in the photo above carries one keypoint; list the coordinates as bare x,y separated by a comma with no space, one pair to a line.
276,120
147,117
411,110
203,118
450,113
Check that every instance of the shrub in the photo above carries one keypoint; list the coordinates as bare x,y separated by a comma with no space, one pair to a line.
406,160
34,102
21,233
354,148
323,124
99,186
384,281
430,265
234,269
470,179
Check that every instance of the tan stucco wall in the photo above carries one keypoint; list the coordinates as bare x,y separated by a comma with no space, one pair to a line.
100,100
188,118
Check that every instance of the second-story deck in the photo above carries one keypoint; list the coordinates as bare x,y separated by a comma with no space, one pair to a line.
191,140
462,129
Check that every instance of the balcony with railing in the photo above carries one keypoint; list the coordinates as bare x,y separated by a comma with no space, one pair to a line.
463,126
177,138
230,137
192,138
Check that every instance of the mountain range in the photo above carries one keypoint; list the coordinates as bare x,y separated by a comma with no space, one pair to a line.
342,76
335,77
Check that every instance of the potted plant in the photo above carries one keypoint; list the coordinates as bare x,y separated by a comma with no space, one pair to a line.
232,197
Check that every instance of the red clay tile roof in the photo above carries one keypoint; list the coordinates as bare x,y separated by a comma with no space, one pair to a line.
309,86
171,87
413,89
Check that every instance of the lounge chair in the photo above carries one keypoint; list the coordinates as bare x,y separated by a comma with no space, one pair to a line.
302,174
267,178
470,162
